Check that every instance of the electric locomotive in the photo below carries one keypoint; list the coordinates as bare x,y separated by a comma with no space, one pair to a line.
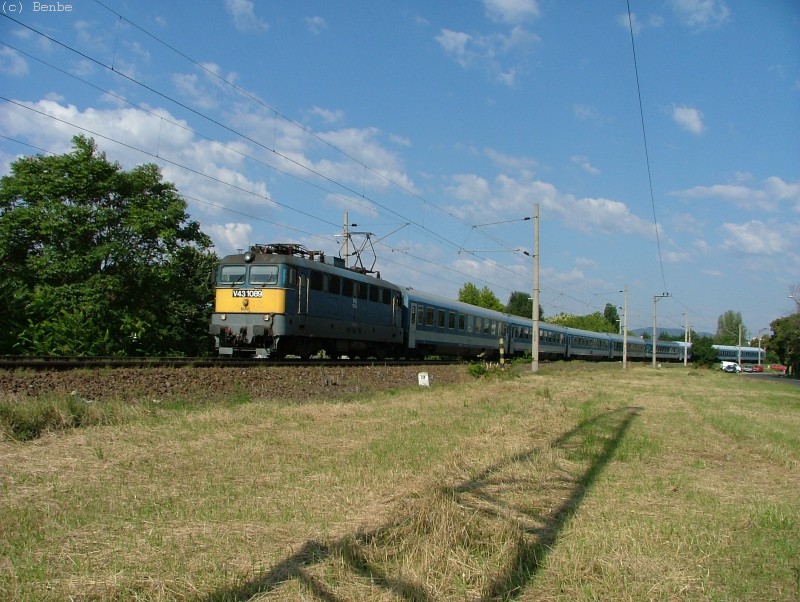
282,299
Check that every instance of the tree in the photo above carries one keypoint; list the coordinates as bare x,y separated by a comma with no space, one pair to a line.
786,342
612,316
703,352
484,297
521,304
594,322
95,260
728,328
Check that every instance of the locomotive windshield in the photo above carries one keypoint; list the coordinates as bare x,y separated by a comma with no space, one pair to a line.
232,274
264,274
260,275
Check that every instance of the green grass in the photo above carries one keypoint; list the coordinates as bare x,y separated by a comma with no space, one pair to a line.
579,483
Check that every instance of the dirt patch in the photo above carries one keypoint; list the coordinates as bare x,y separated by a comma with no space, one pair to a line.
273,382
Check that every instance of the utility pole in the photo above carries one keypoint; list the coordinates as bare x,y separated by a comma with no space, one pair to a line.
686,340
739,349
535,333
625,331
656,299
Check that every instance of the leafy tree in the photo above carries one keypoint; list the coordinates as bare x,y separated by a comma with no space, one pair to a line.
728,328
484,297
521,304
469,293
612,316
95,260
594,322
786,342
703,352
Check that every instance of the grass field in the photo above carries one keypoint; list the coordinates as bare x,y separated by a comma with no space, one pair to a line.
582,482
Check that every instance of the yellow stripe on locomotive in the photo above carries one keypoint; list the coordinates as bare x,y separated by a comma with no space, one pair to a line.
250,300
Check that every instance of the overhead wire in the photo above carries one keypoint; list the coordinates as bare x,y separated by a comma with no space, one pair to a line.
646,151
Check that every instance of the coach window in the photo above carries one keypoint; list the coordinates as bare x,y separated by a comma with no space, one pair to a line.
451,320
440,322
470,323
462,322
494,328
478,325
428,316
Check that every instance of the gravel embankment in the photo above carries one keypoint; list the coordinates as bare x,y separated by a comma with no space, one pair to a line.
267,382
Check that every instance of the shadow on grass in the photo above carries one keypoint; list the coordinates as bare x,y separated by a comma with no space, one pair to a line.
492,493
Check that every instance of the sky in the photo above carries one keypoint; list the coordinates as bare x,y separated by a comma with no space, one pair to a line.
659,139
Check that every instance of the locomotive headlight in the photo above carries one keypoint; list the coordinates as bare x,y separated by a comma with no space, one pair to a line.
249,257
245,302
222,316
266,317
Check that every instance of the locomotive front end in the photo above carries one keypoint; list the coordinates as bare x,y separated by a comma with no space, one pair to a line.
249,301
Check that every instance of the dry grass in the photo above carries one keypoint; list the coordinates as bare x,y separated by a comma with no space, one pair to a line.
582,482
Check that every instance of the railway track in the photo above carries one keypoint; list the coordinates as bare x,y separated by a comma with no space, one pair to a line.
55,363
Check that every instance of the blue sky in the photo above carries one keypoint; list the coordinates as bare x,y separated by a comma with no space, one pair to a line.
438,125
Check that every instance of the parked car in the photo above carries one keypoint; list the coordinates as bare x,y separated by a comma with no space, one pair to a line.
731,368
758,368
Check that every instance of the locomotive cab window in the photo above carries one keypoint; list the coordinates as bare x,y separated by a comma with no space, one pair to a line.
232,274
264,274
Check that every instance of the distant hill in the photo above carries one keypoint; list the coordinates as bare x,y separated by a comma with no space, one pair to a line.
673,332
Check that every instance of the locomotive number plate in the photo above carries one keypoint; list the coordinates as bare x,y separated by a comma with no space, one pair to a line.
247,293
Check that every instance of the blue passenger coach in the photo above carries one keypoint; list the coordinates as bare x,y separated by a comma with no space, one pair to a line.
439,326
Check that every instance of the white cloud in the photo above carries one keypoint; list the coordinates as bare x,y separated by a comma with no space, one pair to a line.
244,16
585,164
316,24
327,115
586,112
772,196
635,24
701,14
12,63
523,166
689,119
481,200
503,57
677,256
471,188
755,238
230,237
512,11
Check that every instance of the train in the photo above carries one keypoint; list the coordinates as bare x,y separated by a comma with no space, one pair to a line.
281,299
